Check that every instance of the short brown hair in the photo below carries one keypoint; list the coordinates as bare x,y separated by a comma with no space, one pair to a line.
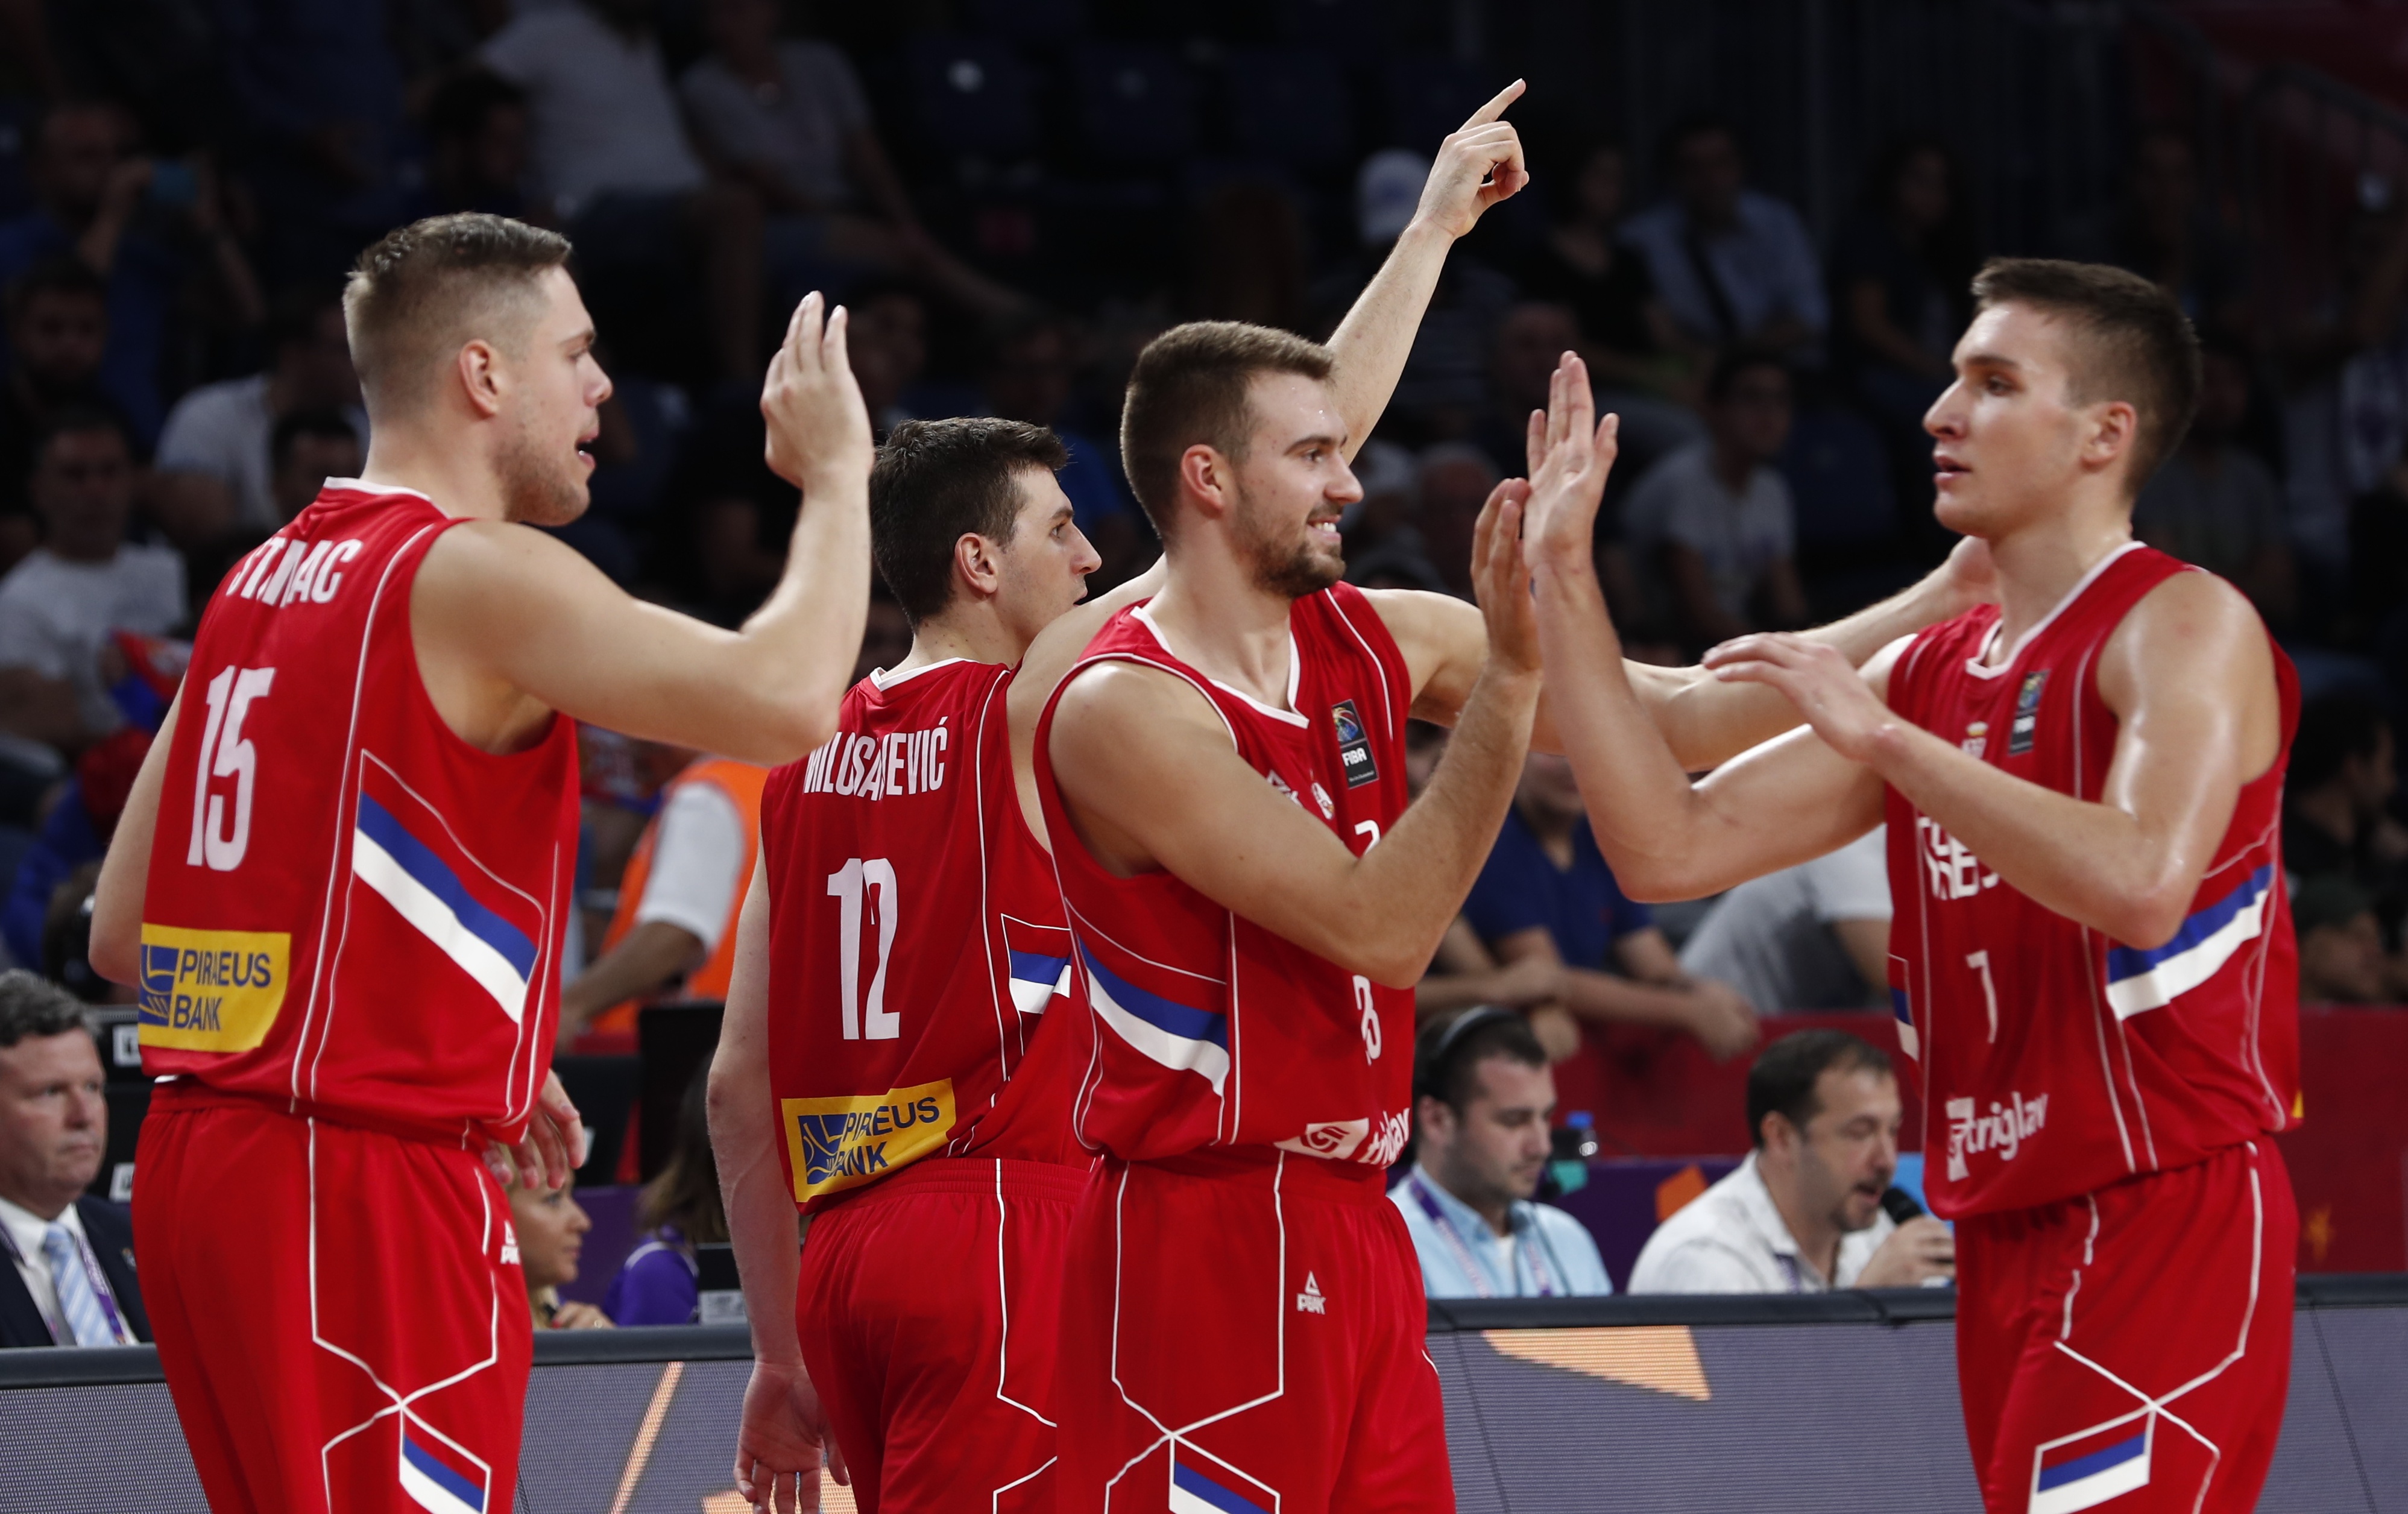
935,480
1190,387
414,297
2136,344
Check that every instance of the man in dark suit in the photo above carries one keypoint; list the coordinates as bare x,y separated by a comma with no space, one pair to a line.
69,1278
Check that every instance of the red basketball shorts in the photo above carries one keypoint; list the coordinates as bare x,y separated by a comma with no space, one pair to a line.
340,1312
928,1308
2134,1345
1243,1334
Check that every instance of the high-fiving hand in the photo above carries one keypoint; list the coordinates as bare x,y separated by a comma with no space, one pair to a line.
818,424
1570,454
1478,164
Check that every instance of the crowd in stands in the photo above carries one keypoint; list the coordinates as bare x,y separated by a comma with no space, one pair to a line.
1010,208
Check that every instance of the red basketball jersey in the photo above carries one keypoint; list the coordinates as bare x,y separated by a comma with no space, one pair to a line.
349,906
916,939
1205,1028
2056,1060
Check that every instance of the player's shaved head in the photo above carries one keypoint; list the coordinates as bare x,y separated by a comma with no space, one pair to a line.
425,291
1191,388
2129,341
936,481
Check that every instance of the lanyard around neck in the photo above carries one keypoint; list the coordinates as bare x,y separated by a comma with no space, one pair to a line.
1453,1237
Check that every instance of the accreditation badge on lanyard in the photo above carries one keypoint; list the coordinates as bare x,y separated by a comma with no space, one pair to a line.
1428,1201
97,1279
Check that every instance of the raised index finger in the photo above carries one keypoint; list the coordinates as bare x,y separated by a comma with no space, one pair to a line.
1496,107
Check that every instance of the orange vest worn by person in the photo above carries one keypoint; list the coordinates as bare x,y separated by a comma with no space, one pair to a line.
741,782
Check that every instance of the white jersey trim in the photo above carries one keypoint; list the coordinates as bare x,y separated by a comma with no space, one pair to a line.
1295,670
1980,669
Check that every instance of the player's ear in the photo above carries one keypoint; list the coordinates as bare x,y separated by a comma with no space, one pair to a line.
476,369
2115,426
1204,478
978,562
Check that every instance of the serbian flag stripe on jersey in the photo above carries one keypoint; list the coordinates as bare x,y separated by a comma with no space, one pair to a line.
439,1478
2139,980
1167,1029
402,849
1039,961
1195,1490
2086,1471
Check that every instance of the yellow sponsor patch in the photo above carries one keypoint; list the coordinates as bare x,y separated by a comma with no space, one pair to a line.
211,991
844,1143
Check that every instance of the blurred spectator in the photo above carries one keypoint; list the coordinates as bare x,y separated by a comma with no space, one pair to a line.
1456,481
1465,974
478,135
67,942
1803,1213
321,95
72,1282
886,638
98,201
1482,1101
2336,798
659,1282
1812,936
550,1226
2170,233
1246,257
58,607
1546,892
787,118
308,448
1900,277
1713,525
1632,344
73,838
2345,369
674,934
2214,504
2342,959
1731,265
610,151
1029,365
888,344
1531,339
58,332
1384,545
215,461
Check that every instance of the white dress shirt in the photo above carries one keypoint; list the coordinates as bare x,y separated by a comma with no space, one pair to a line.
1731,1239
26,1229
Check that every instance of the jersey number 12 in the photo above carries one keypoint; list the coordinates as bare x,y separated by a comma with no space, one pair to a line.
865,1017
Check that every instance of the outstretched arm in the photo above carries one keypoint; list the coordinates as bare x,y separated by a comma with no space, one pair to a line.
2189,676
782,1430
1150,776
520,610
1477,166
1779,804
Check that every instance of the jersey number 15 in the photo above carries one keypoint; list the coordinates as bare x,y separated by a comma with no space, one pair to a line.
226,753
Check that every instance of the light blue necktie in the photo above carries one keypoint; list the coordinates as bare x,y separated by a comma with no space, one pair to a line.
86,1319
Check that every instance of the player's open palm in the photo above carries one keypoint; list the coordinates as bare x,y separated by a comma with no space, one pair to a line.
818,422
1478,164
1570,454
778,1445
1500,582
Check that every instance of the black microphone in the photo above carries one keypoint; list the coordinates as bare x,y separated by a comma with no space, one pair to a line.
1900,1205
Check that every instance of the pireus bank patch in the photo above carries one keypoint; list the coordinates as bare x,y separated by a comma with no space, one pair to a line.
211,991
844,1142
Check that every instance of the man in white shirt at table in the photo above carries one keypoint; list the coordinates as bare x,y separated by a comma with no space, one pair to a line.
1803,1213
1483,1097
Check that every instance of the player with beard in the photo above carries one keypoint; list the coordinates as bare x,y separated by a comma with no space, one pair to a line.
1251,901
2092,962
347,938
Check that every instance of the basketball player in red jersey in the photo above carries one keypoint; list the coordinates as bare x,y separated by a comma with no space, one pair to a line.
347,934
2092,956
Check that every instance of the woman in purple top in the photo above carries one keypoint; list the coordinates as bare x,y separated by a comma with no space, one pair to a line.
657,1284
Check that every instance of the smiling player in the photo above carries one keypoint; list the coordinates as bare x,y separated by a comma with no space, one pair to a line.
2092,956
347,932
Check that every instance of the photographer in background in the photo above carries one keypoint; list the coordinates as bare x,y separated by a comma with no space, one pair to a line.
1803,1214
1482,1101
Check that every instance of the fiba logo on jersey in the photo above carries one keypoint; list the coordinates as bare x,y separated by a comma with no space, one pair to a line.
1354,745
2019,735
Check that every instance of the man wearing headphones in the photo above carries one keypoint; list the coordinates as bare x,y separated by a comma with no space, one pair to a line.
1483,1097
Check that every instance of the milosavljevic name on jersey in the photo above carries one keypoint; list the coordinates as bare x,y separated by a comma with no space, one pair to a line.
882,766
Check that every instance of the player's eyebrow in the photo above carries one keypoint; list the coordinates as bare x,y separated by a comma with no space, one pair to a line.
1333,442
1991,360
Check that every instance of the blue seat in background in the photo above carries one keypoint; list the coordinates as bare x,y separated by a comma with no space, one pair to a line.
1291,106
971,97
1136,103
